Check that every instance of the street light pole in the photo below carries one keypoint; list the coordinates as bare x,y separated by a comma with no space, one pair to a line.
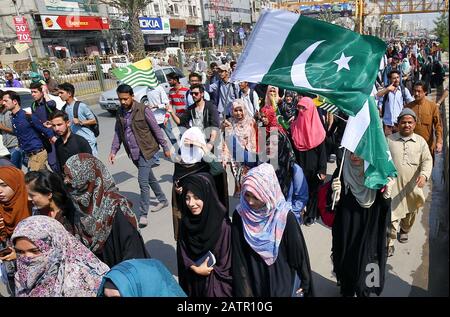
33,64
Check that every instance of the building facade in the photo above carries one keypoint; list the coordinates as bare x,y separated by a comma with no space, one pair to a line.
64,28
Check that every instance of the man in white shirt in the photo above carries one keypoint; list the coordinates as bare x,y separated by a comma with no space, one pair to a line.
157,101
250,98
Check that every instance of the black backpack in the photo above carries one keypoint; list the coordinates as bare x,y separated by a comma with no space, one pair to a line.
94,128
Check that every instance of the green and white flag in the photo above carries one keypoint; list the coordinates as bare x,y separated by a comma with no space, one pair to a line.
307,55
364,136
140,73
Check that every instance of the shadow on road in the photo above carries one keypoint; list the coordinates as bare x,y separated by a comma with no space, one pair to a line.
121,177
165,253
394,286
324,287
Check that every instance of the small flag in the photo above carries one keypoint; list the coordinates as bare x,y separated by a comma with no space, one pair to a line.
364,136
140,73
325,105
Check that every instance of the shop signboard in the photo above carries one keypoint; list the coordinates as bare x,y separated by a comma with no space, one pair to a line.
22,29
154,25
74,22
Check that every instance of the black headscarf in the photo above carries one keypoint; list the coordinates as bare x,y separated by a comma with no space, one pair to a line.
200,233
289,110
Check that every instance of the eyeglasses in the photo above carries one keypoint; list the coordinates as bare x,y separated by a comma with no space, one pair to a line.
194,93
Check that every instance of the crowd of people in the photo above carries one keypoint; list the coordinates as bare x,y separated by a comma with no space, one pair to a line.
66,230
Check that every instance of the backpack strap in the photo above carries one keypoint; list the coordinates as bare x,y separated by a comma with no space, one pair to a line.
75,109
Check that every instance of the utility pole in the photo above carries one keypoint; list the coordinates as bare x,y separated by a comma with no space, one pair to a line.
33,64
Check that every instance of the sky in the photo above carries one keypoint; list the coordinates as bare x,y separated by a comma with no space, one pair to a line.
426,18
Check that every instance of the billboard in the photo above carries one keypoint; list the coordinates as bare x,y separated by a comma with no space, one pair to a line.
154,25
22,29
74,22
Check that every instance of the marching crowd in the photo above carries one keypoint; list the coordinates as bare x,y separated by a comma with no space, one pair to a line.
66,230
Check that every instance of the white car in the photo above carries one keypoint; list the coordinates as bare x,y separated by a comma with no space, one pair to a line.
26,100
110,101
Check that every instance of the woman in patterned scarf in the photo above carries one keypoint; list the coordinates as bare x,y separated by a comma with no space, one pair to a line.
53,263
269,257
241,138
105,224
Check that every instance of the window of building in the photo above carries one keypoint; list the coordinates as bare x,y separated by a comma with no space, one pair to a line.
156,8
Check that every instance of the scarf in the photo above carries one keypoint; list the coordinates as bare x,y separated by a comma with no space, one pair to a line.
200,233
98,199
307,130
142,278
354,180
264,228
272,117
18,207
65,267
244,129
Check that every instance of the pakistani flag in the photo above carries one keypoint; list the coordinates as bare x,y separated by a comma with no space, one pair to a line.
137,74
307,55
364,136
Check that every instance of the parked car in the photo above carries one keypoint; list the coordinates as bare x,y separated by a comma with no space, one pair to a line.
26,100
110,101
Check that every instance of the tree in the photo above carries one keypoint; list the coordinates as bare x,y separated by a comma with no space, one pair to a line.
441,30
132,9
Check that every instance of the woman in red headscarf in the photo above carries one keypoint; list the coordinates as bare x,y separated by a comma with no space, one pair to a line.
308,138
14,207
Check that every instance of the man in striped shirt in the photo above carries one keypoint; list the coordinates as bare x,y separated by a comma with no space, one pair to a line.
178,100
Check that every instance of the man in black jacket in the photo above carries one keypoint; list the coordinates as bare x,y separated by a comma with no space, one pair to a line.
202,114
68,143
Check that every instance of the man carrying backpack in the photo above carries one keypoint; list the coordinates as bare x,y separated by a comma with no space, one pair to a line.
83,121
43,107
392,100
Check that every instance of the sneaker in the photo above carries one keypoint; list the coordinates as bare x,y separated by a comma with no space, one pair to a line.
160,206
391,250
143,222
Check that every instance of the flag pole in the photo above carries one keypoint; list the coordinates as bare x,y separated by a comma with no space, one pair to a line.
339,176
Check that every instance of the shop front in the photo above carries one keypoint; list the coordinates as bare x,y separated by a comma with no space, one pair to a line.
71,35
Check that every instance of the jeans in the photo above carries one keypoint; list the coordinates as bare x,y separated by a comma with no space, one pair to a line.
147,179
16,156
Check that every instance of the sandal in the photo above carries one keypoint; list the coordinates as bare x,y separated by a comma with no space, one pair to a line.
403,238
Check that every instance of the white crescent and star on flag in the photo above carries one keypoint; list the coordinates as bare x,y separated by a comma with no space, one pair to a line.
298,69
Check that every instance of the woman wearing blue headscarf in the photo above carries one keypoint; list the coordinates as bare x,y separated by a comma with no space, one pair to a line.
140,278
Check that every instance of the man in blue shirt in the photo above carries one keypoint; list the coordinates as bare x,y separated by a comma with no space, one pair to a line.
43,107
30,132
85,118
11,82
392,99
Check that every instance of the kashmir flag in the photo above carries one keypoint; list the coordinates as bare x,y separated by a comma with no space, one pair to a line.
307,55
364,136
322,103
140,73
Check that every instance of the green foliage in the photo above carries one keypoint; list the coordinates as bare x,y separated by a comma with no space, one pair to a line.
441,30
